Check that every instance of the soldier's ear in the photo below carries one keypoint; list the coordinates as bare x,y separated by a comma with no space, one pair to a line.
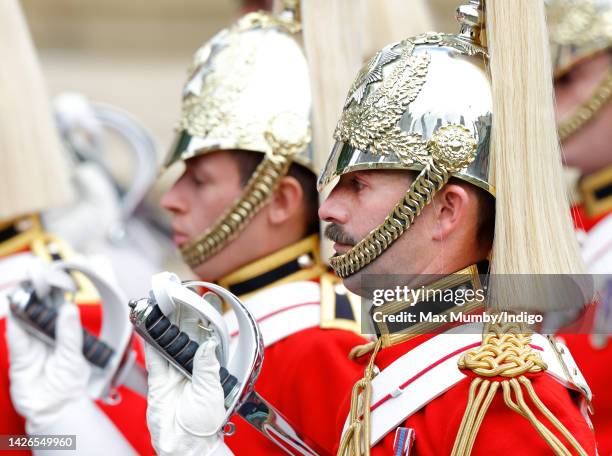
286,201
452,208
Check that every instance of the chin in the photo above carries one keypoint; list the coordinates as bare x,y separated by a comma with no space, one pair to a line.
373,275
204,272
353,284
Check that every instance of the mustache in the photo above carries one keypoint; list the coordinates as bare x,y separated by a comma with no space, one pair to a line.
335,233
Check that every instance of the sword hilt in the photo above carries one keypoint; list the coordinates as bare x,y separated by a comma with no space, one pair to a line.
173,343
43,318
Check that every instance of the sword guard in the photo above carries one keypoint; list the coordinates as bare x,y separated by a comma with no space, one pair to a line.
150,317
35,303
174,344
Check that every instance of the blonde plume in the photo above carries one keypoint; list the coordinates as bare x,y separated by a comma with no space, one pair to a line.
334,52
332,40
34,176
533,228
387,21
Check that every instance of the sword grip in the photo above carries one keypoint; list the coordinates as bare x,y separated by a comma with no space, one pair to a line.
179,346
44,319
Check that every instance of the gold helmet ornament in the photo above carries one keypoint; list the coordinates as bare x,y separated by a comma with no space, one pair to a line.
463,106
34,173
248,89
580,29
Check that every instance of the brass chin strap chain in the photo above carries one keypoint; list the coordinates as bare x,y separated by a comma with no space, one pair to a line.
421,192
588,110
356,440
450,149
505,352
256,194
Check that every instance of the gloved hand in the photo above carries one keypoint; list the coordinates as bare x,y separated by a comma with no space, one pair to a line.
45,379
183,416
49,388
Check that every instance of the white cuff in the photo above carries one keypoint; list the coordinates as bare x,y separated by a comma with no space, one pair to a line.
220,449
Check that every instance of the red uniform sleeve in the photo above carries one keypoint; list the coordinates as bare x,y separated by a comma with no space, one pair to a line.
305,376
593,364
10,422
129,416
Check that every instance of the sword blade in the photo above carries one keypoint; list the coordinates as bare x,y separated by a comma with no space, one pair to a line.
269,422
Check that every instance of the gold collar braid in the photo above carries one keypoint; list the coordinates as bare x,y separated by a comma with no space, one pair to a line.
594,194
452,148
304,254
588,110
288,135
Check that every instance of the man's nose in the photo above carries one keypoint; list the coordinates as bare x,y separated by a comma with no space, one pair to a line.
173,200
333,209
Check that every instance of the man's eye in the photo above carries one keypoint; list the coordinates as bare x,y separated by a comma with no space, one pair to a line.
357,184
564,80
196,180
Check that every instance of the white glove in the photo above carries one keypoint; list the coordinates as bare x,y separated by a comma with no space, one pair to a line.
183,416
45,379
49,387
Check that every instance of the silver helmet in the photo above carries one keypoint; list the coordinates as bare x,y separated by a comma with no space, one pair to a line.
248,89
579,29
404,112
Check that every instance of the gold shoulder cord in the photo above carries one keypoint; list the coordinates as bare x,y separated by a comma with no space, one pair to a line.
505,352
356,440
258,191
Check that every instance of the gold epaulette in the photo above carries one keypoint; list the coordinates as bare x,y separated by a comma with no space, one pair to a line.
18,234
503,359
51,248
596,192
27,234
340,309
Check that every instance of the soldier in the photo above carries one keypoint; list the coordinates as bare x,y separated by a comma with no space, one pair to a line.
581,40
47,386
429,105
442,119
245,216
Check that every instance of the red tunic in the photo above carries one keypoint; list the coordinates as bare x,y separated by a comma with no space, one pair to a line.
594,361
305,376
129,415
503,431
